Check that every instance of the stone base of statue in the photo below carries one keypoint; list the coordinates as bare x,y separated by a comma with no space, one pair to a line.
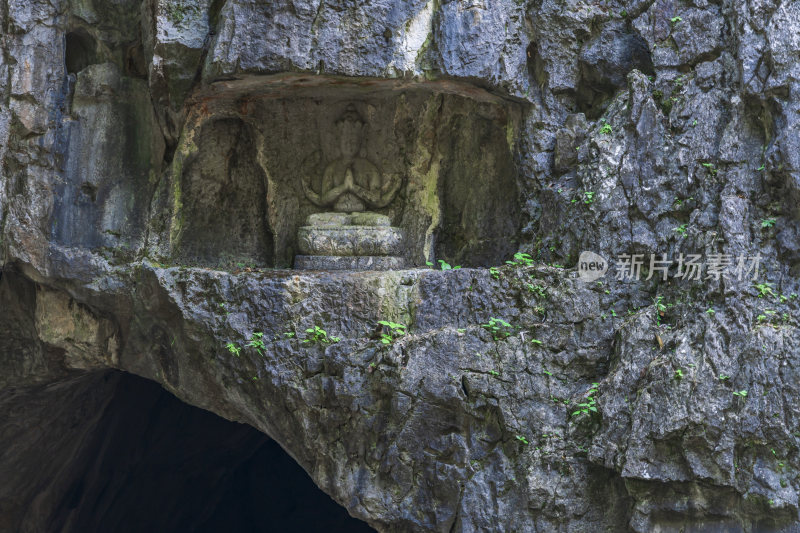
349,241
334,262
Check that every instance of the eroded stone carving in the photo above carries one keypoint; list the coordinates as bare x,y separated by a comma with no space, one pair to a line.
350,237
352,183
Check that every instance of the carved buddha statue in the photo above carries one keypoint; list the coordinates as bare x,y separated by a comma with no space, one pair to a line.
350,238
352,183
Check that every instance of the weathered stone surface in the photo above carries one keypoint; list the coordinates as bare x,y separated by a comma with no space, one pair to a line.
344,262
350,240
605,62
109,178
348,219
146,145
567,141
88,342
346,235
481,39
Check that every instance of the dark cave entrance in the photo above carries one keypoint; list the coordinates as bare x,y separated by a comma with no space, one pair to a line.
80,51
154,463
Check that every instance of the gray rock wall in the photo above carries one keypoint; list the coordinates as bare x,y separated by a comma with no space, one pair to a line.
549,127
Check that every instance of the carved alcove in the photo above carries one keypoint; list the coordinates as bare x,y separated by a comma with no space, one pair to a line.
222,199
436,160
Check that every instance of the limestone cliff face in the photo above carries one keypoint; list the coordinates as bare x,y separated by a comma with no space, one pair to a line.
151,163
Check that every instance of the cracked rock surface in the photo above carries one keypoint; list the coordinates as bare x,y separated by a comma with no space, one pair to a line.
140,138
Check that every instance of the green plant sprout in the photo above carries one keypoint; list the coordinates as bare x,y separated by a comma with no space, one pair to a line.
711,168
682,229
740,393
495,272
765,315
780,463
538,290
606,129
317,335
395,331
257,342
444,265
588,196
232,348
764,289
589,405
768,222
521,259
499,328
660,309
522,439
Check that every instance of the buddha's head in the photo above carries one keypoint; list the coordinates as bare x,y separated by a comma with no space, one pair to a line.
350,128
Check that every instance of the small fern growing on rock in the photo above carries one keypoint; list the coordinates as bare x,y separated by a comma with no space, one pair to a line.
317,335
395,331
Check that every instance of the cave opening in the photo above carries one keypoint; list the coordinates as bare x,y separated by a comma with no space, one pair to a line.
79,51
154,463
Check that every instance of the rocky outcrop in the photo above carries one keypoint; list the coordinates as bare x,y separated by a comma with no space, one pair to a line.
153,155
